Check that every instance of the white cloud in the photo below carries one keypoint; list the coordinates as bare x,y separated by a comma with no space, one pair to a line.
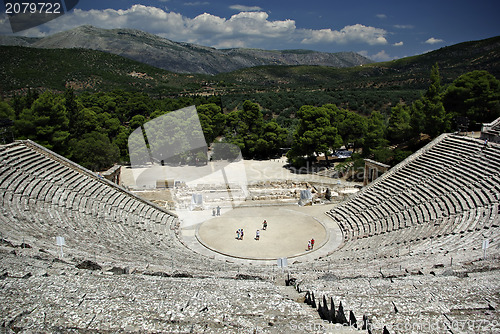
380,56
243,8
433,40
256,23
354,33
381,16
197,3
244,29
151,19
404,26
399,43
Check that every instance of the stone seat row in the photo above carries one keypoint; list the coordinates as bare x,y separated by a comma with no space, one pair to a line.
56,181
379,220
124,239
43,197
423,191
406,198
148,303
416,304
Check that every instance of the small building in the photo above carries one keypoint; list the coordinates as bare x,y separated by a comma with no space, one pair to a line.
373,169
491,131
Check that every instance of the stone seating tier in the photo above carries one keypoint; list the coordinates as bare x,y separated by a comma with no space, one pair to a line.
44,196
446,179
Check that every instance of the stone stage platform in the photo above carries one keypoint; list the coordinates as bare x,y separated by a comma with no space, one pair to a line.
289,229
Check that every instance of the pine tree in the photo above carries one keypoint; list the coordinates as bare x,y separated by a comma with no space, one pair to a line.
428,113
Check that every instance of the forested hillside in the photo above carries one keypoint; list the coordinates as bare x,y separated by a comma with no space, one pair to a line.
405,73
181,57
84,104
83,70
93,128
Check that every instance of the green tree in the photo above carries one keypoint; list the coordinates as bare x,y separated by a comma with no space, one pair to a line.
399,128
245,129
273,138
375,135
121,141
72,109
351,127
400,155
6,111
434,90
108,124
225,151
475,95
87,120
212,121
430,108
314,133
7,117
382,154
417,117
94,151
135,105
45,122
137,121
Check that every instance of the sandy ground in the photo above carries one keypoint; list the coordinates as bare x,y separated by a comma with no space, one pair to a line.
287,233
290,227
245,170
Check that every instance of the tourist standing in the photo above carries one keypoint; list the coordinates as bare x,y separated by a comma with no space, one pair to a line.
264,225
218,210
312,243
257,235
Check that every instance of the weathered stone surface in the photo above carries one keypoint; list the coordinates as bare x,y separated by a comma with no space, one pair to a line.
248,277
90,265
158,274
370,275
119,271
91,301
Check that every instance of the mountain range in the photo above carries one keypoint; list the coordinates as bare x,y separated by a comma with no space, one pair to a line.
29,62
181,57
410,72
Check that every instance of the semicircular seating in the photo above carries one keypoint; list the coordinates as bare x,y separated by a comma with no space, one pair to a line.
449,188
44,195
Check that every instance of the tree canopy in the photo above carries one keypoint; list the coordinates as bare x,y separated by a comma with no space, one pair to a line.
475,95
93,129
315,133
255,137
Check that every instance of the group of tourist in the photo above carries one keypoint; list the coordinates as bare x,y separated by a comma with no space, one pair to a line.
310,244
240,233
216,211
264,227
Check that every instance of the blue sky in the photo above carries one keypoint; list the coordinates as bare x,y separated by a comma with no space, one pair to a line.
381,30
